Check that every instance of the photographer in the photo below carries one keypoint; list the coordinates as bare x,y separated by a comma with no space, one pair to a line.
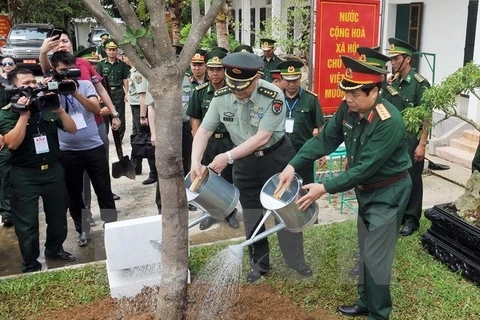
84,150
32,138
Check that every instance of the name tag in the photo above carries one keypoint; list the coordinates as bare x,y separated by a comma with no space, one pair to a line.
227,119
79,120
41,144
289,122
185,98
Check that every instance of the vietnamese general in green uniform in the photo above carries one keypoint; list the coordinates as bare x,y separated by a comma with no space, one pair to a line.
375,141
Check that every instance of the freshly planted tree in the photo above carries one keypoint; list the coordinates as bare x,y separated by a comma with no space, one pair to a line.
164,72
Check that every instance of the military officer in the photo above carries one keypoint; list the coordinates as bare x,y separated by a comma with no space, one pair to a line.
270,59
411,86
304,114
117,72
243,48
375,141
100,48
253,112
220,141
33,142
277,79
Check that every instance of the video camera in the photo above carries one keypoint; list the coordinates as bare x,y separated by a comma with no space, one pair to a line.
60,86
40,100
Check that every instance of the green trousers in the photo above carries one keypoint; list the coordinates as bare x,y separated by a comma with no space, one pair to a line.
380,213
28,185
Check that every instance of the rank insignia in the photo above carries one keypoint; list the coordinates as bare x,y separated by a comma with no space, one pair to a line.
277,106
346,124
138,79
382,112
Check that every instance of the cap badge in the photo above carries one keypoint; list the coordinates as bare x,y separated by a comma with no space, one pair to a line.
215,59
362,58
197,55
348,73
392,46
291,69
237,71
265,44
244,50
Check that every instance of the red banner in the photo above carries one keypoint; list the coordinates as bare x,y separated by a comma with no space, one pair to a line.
4,28
342,27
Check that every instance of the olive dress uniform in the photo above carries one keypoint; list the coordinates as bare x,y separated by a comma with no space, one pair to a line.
115,73
378,163
32,176
264,111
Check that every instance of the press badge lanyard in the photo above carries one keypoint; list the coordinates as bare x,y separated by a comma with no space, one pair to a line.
40,140
77,117
289,122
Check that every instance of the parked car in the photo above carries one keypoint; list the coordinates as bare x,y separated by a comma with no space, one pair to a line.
24,42
94,39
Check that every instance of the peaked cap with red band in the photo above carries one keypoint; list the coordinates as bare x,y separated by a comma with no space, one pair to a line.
357,74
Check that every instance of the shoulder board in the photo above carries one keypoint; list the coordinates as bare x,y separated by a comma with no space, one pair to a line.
222,91
267,92
311,92
200,87
392,90
7,106
418,77
382,112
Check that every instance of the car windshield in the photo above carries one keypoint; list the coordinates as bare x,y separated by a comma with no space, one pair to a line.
20,34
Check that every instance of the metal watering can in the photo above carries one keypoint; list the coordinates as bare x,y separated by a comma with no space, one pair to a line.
284,209
213,195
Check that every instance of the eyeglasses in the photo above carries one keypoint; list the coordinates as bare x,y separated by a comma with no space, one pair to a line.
8,63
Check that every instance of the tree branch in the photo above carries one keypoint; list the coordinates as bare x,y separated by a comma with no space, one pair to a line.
160,32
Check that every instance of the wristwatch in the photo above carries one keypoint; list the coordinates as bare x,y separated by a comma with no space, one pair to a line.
115,115
229,158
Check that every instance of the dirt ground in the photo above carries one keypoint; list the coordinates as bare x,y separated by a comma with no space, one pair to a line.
254,302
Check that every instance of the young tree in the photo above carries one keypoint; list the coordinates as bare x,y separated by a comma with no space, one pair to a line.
164,71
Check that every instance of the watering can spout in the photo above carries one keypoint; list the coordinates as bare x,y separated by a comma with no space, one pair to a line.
263,235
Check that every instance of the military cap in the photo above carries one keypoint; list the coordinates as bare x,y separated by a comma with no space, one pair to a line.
358,74
199,56
275,74
267,44
110,44
105,35
178,48
241,68
89,54
376,48
398,46
214,58
243,48
372,57
219,49
290,70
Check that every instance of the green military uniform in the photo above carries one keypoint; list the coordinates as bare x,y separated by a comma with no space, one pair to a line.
411,90
264,111
378,163
115,72
32,176
272,63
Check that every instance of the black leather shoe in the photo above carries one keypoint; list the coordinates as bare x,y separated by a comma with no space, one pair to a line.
191,208
207,223
254,276
437,166
62,255
7,220
115,196
352,311
355,271
406,231
84,239
150,180
304,270
232,220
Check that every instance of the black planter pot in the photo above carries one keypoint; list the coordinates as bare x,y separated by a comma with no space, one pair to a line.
453,241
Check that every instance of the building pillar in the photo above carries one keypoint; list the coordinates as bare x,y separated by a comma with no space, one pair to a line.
245,21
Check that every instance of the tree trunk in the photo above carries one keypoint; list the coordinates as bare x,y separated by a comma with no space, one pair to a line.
221,27
175,18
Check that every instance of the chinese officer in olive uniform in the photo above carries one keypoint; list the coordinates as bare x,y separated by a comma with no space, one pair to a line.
411,86
375,139
32,138
220,141
117,72
304,114
271,61
253,112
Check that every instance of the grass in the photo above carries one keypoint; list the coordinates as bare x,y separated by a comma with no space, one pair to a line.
422,288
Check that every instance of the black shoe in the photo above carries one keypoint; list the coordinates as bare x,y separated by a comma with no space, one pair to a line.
7,220
84,239
115,196
91,222
437,166
62,255
355,271
207,223
191,208
304,270
352,311
254,276
232,220
150,180
406,231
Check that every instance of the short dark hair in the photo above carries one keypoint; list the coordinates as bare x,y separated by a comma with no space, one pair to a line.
9,57
62,57
65,32
12,76
369,87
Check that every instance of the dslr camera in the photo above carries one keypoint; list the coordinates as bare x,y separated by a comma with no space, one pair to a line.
40,100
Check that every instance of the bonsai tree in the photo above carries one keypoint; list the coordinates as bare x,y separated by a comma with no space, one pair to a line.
443,97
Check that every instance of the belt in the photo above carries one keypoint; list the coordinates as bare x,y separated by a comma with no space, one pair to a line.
261,153
221,135
382,184
41,168
114,88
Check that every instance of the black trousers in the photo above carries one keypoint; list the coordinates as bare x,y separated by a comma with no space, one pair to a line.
94,162
249,176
